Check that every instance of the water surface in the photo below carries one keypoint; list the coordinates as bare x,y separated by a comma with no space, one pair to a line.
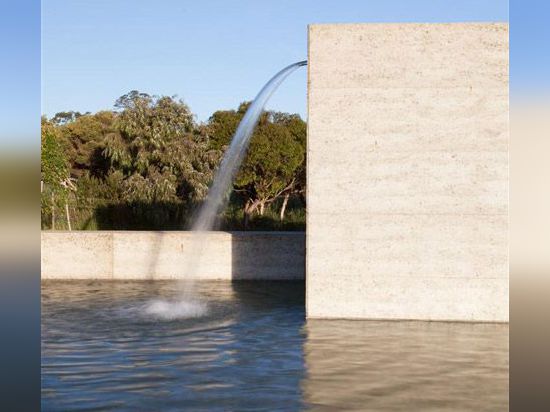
253,350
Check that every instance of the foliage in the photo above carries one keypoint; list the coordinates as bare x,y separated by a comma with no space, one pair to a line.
53,161
66,117
270,165
54,172
275,162
160,149
147,164
84,138
223,124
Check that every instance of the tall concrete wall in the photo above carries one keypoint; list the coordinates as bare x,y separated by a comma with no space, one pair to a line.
172,255
407,214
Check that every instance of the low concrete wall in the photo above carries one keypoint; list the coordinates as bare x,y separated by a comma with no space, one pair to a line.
172,255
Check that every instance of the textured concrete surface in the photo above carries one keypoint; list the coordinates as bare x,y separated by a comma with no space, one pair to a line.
172,255
408,172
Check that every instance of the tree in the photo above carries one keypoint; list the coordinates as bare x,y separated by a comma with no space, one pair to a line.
53,162
272,165
145,163
54,168
298,129
223,124
161,151
84,139
62,118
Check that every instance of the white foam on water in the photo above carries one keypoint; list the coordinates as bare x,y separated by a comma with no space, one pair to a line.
172,310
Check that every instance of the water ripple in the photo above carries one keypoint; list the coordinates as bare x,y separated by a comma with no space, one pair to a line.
252,350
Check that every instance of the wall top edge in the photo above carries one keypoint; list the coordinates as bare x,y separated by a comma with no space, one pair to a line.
174,232
409,24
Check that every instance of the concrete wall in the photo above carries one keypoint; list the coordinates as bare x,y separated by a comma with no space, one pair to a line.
407,214
172,255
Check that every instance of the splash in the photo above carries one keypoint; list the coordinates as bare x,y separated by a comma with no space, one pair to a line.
172,310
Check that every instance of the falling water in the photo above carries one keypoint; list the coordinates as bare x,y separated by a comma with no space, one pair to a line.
188,305
218,193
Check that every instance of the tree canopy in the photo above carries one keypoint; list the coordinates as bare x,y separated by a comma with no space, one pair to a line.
54,166
150,150
274,158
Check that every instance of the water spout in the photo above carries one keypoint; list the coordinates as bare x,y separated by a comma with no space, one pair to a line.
218,193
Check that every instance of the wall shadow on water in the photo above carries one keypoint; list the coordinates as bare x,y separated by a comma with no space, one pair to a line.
266,294
268,255
271,317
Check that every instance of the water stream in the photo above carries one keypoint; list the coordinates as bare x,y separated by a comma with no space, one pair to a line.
188,305
218,193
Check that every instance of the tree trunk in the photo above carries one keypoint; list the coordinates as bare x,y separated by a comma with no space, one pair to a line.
246,217
53,212
67,214
262,207
249,208
283,207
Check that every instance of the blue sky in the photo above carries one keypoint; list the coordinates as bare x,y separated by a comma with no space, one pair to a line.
211,53
19,71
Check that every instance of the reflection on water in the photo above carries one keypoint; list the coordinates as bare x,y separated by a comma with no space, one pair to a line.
253,350
358,365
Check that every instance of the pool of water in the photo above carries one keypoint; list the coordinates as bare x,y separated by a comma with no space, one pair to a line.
247,346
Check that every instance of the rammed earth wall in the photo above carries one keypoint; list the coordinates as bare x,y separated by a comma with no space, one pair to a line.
407,202
172,255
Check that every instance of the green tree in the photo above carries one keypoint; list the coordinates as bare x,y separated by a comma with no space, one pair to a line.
54,169
275,158
144,164
85,141
62,118
161,151
53,162
223,124
298,129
